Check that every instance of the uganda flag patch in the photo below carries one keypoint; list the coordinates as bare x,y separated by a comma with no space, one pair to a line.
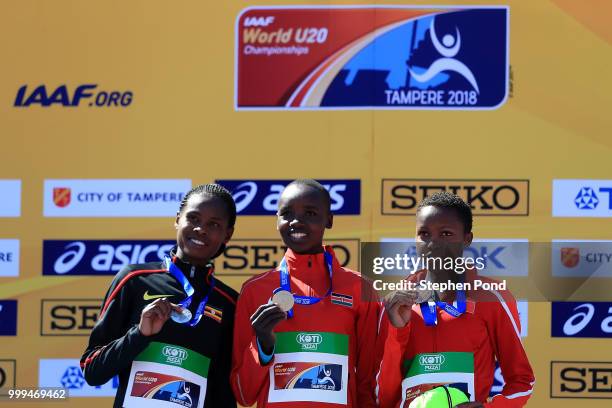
342,300
213,313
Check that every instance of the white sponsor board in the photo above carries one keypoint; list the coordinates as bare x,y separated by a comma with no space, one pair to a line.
582,198
66,373
113,198
581,258
9,258
10,205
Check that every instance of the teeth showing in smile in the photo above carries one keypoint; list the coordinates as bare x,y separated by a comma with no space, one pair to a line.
298,235
197,242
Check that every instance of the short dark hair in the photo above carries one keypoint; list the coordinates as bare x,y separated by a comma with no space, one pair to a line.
214,190
444,199
317,186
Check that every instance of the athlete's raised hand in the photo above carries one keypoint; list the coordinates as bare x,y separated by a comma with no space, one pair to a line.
398,305
264,320
154,316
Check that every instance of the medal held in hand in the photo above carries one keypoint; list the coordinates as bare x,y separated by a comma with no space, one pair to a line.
185,316
285,285
181,317
284,299
424,295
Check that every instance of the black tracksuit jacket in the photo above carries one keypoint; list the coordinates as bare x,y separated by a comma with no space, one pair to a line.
115,340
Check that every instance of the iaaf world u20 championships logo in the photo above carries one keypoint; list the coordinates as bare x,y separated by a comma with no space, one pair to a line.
380,57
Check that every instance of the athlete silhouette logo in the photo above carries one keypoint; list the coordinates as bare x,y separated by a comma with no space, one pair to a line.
327,378
448,48
185,396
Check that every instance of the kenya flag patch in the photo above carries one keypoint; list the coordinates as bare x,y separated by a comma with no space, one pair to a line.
342,300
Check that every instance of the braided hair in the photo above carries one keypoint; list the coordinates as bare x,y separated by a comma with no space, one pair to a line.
214,190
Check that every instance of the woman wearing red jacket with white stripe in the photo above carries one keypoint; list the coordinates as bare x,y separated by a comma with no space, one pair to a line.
455,338
306,333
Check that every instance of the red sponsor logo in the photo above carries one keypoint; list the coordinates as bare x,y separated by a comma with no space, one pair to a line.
61,196
570,257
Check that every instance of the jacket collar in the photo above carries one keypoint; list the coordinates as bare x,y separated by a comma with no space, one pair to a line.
194,273
304,266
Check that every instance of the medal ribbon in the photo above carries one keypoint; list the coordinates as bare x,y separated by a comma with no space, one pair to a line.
189,290
285,283
428,309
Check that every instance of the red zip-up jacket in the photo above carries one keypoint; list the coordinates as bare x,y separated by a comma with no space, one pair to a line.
346,313
490,329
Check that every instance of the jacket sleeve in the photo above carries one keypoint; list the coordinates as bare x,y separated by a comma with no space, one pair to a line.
113,343
505,328
390,374
219,391
248,378
370,343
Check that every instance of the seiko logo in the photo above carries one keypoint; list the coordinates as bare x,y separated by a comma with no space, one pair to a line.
309,341
245,257
581,379
68,317
7,375
486,197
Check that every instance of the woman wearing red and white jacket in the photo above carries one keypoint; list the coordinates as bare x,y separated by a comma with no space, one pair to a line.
323,351
456,339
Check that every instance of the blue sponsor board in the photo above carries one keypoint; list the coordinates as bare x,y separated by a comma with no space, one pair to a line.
8,317
260,197
493,257
89,257
581,319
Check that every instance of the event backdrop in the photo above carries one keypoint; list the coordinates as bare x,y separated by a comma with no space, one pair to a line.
111,110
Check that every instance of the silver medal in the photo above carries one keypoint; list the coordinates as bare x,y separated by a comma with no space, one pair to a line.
284,300
181,317
424,295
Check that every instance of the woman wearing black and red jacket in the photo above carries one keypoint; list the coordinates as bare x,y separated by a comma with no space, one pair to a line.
166,327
